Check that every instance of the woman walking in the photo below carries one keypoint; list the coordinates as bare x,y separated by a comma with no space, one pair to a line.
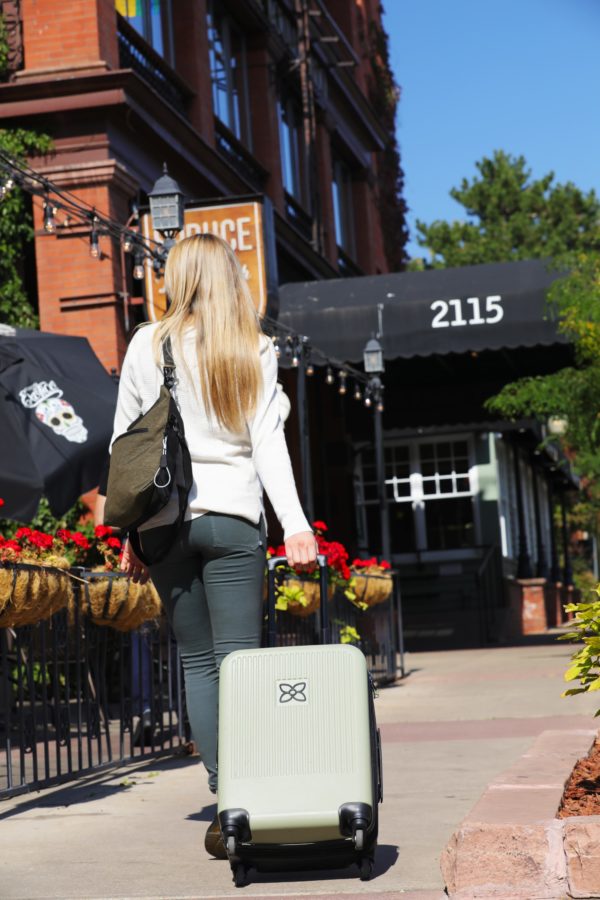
211,580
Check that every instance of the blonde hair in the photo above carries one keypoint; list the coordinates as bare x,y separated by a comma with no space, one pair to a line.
206,288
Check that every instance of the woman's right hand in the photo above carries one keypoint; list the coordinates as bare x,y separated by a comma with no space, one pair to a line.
301,551
132,566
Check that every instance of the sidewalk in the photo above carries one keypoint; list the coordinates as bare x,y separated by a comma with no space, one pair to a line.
458,719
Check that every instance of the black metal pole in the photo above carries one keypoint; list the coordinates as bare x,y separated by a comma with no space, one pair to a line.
386,548
567,568
541,565
303,428
523,560
554,566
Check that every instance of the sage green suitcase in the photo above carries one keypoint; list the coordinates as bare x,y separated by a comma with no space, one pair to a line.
299,755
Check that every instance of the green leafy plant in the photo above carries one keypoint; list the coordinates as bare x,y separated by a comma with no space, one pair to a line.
41,677
585,663
16,231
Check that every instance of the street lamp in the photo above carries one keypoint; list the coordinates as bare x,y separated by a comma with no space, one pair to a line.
373,357
374,366
166,207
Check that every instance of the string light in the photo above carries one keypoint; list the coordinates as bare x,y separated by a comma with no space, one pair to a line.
329,379
276,346
343,376
310,370
368,400
94,245
357,392
6,187
49,220
127,243
380,406
138,268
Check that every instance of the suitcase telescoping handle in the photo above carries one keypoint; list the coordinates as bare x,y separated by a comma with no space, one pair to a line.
272,564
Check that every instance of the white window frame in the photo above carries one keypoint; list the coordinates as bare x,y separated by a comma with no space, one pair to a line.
417,497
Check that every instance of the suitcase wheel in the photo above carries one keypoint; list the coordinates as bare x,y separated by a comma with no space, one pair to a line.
240,874
231,845
365,867
359,839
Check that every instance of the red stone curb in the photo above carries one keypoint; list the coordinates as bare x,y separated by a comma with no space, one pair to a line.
511,846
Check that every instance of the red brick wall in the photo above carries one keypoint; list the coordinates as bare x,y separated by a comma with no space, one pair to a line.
78,32
79,295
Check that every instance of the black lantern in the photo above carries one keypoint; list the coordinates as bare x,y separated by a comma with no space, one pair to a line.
166,206
373,357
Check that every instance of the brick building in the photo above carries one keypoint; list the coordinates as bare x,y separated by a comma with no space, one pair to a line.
287,98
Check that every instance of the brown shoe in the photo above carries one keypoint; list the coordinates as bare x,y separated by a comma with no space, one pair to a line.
214,840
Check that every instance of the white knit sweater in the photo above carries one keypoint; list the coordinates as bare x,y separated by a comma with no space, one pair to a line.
229,469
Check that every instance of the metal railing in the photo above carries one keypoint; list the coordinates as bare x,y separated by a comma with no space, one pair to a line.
135,53
75,696
239,157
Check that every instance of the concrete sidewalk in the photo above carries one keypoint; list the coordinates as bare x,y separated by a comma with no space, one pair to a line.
455,722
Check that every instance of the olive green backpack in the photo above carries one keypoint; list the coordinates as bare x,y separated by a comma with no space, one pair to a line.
148,463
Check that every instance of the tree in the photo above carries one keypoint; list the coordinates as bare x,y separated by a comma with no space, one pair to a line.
573,393
512,216
16,231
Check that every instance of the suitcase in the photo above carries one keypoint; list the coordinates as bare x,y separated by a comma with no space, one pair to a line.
299,754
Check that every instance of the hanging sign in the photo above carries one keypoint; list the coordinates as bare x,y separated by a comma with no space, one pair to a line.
247,225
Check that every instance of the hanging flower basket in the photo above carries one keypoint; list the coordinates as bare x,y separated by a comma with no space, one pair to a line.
372,582
118,602
30,593
311,591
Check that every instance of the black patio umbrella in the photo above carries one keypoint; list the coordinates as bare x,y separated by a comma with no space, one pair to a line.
57,405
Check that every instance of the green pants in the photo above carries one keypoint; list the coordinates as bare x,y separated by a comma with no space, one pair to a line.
211,586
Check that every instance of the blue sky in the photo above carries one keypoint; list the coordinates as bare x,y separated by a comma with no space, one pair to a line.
479,75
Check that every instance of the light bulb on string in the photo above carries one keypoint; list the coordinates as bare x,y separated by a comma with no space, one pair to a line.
94,245
329,379
276,346
368,399
343,376
49,220
127,243
138,268
357,392
6,187
380,406
310,370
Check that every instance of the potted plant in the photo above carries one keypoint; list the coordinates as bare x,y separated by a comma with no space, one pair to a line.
371,581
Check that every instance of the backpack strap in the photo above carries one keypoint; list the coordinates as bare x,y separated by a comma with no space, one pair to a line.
168,364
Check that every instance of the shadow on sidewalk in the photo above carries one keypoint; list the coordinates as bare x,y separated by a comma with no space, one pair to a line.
386,856
95,786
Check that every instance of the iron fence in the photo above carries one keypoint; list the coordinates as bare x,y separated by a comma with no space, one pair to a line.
76,696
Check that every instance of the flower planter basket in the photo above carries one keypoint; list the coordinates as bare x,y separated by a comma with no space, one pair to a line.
30,593
372,586
312,591
118,602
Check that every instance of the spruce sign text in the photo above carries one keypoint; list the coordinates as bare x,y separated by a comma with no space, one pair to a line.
467,312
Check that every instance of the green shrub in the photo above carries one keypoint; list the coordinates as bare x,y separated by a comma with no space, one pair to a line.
585,663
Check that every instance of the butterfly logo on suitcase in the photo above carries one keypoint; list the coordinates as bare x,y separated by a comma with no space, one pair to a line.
292,692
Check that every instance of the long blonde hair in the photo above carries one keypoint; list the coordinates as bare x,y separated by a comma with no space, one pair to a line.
206,288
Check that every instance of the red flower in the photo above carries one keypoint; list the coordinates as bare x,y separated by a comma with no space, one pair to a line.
319,526
80,539
102,531
63,535
114,542
23,533
385,564
1,502
41,540
12,545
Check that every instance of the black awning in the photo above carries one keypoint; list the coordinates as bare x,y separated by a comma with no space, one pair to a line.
473,308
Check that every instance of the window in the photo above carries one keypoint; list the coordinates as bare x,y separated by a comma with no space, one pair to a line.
291,148
227,49
343,217
153,19
430,487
